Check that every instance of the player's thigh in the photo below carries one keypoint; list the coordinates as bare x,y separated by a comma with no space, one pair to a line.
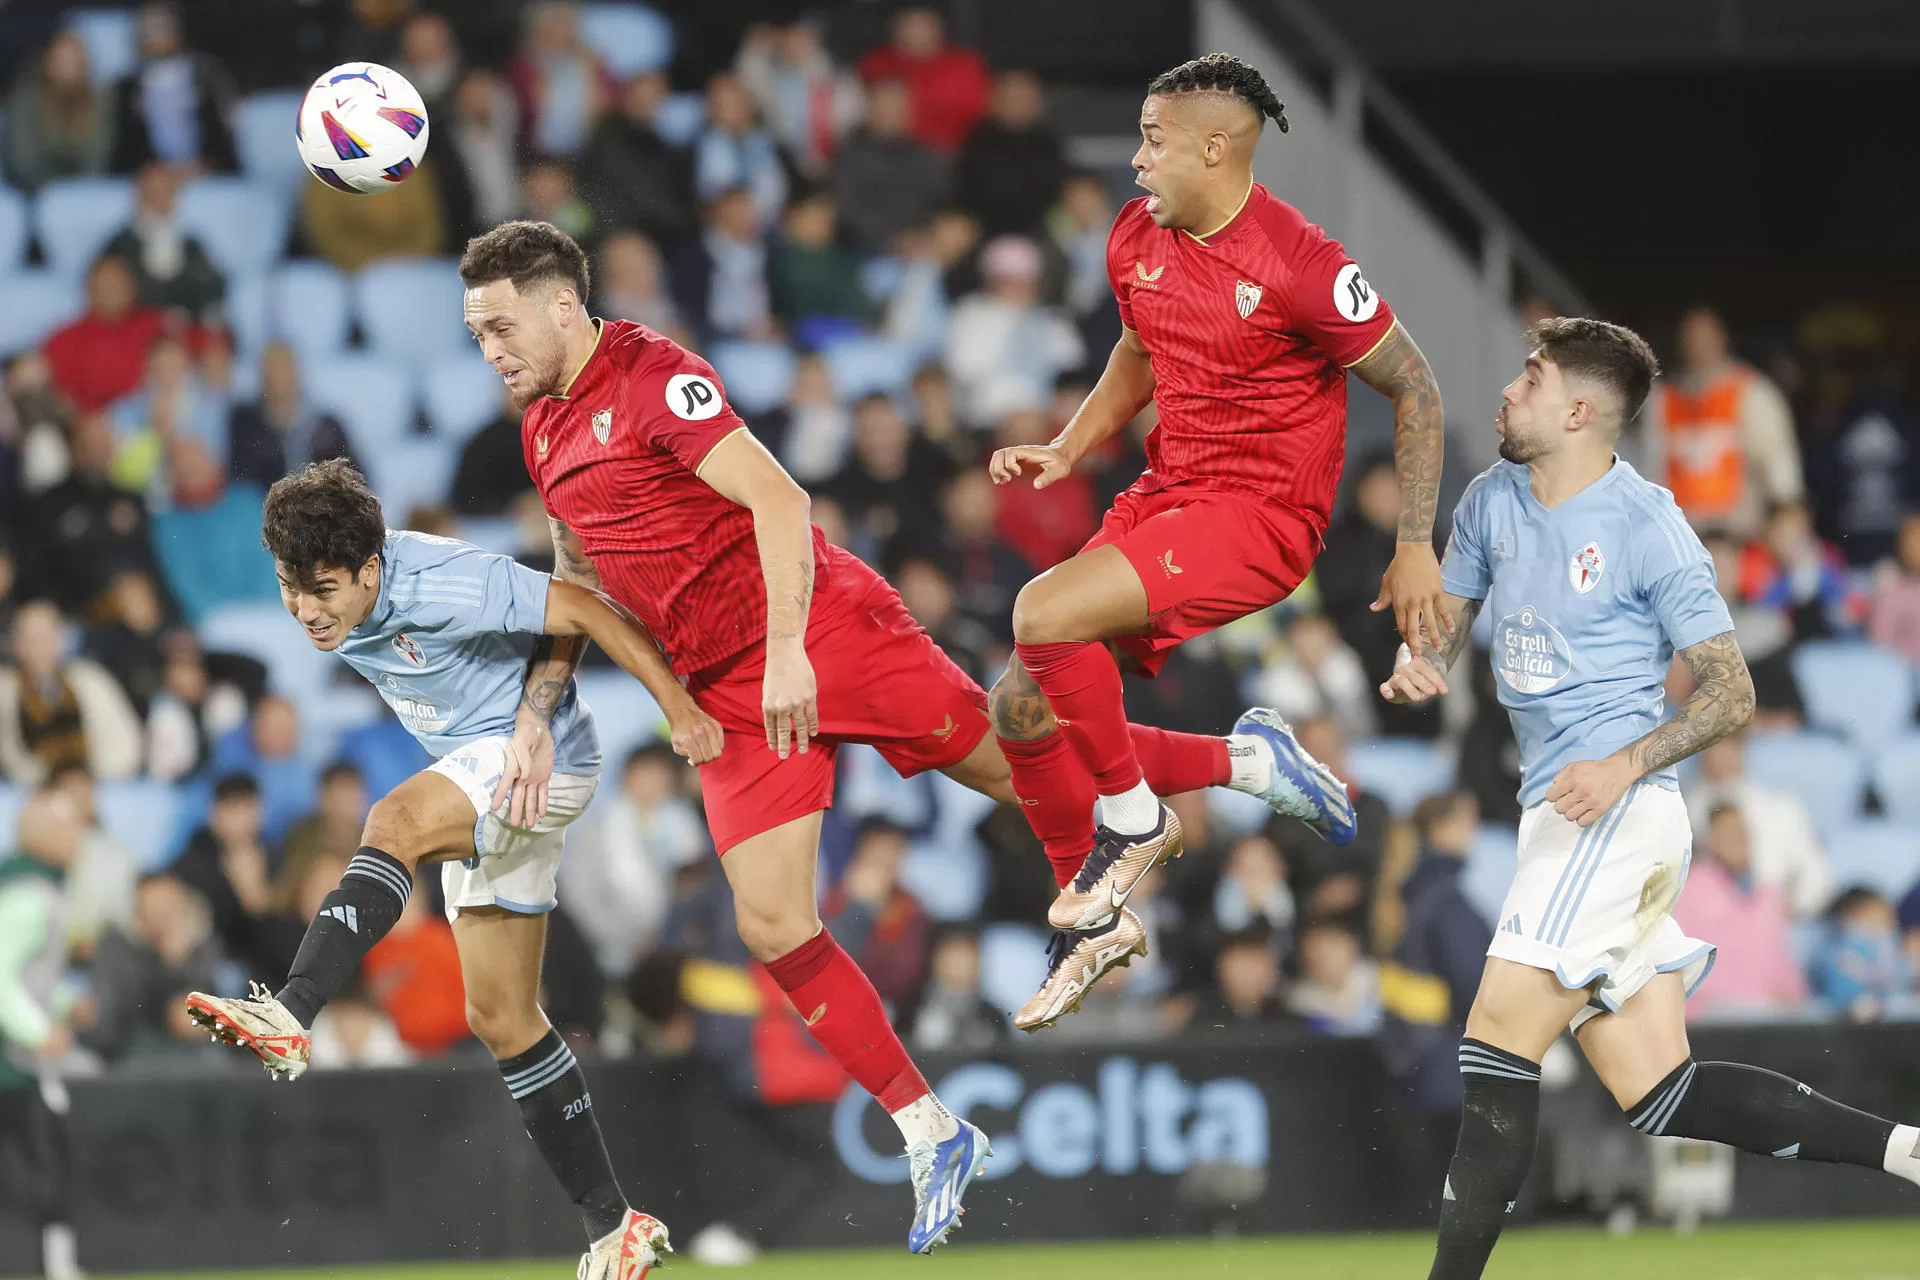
1520,1008
500,954
1638,1047
985,769
1094,595
774,877
427,818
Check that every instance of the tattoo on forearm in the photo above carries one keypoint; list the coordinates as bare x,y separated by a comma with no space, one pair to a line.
543,698
1722,701
1398,371
802,601
1458,639
1020,710
571,563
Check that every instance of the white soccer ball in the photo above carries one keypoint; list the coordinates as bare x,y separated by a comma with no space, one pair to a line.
362,128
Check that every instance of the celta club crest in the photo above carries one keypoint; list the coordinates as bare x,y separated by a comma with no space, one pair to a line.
404,646
1246,298
1588,564
603,425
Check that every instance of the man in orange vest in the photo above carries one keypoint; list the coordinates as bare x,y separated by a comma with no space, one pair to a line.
1719,434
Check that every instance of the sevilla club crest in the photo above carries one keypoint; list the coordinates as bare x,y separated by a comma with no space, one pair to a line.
1587,566
603,425
1246,298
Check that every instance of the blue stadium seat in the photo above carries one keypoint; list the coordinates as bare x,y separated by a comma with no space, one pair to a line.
372,395
1401,771
1490,867
680,119
1856,689
410,308
112,49
1237,812
947,869
1013,964
881,277
1881,853
13,230
861,366
264,631
498,534
326,722
408,472
307,308
140,815
1896,777
629,38
1826,773
624,713
246,312
241,223
37,302
263,126
757,375
12,798
460,394
74,219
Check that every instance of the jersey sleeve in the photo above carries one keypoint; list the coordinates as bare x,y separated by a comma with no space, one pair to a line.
1117,275
1677,576
1331,304
1466,571
682,407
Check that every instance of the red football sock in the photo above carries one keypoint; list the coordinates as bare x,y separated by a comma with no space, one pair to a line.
1177,762
1056,794
1082,685
844,1013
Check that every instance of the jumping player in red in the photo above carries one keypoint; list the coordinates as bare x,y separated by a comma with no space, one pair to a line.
1240,319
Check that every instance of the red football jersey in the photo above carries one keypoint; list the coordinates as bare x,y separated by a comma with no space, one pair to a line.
615,459
1250,332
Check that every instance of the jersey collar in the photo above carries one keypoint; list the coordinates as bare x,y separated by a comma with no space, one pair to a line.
599,332
1234,217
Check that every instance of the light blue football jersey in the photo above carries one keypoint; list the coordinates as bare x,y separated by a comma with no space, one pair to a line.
447,646
1588,602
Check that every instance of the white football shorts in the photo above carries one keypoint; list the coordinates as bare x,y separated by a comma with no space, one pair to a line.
1594,905
512,867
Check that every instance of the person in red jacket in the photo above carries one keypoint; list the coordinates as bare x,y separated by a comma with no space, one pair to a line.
103,355
949,85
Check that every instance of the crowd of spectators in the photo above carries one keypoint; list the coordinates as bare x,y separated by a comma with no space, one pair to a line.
913,193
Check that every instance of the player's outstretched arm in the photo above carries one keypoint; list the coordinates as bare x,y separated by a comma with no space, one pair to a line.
1125,386
580,611
1397,370
1416,678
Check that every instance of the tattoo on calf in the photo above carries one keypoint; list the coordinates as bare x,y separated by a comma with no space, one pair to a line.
1020,710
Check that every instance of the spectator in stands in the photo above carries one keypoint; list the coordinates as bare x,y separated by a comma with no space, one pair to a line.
1860,966
483,128
430,60
1329,882
1319,675
561,85
929,596
1766,633
208,541
813,277
492,472
1338,992
57,124
632,283
948,85
127,638
950,1015
1047,525
414,975
1782,844
175,105
636,179
1792,570
1252,892
267,749
890,484
352,1033
964,541
816,429
1079,225
56,710
141,976
1755,972
916,309
1004,349
720,279
1863,465
879,923
172,406
806,101
1246,991
103,355
549,196
102,876
281,431
332,830
1893,618
1489,755
936,417
86,529
349,230
884,179
1719,433
1010,171
732,151
171,269
228,864
189,713
33,430
621,866
9,597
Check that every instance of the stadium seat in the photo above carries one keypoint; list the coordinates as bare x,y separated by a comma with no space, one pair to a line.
1856,689
263,126
37,302
12,798
629,38
861,366
947,869
1490,867
1824,772
1013,964
265,632
680,119
460,394
1237,812
1880,853
1896,777
306,306
409,472
246,312
74,219
140,815
241,223
13,230
757,375
112,49
327,721
410,308
624,713
1401,771
869,788
498,534
372,395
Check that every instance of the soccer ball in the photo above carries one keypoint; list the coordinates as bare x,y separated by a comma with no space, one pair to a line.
362,128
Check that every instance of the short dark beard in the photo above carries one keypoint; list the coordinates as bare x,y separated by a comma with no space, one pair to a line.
1518,452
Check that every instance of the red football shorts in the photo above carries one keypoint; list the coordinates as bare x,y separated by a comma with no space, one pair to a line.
881,680
1205,558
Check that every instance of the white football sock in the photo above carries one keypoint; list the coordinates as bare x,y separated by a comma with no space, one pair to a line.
60,1252
1131,813
1251,759
1903,1153
925,1119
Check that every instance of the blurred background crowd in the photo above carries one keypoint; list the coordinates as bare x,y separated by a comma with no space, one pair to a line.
883,244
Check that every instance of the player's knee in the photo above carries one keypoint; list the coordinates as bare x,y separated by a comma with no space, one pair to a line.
394,827
1039,616
502,1024
772,934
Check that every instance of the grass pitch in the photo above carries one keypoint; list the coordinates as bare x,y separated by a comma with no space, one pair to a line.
1876,1250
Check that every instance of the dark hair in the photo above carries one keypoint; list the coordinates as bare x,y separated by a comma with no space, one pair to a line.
879,825
656,750
235,786
1222,73
1851,899
322,517
1434,810
340,769
1720,811
67,768
528,254
1608,353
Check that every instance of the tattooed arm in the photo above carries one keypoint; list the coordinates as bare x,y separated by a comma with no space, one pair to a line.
1416,678
529,765
1398,371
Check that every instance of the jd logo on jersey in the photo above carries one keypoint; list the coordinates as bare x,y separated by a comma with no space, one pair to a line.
602,425
1585,569
692,397
1145,278
1246,298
